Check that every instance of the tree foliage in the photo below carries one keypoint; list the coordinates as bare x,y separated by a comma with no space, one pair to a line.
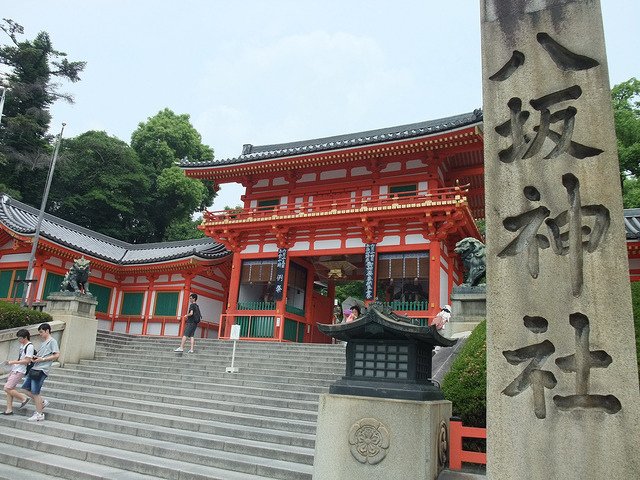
626,111
160,142
465,385
99,184
35,68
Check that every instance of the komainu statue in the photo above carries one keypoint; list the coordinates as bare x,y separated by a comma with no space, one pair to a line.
77,278
472,253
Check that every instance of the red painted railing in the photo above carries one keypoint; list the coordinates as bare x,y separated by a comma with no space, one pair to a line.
456,454
328,205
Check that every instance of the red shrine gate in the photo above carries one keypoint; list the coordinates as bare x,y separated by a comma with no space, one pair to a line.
384,206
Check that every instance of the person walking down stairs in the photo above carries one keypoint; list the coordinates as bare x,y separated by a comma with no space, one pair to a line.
48,353
193,317
18,370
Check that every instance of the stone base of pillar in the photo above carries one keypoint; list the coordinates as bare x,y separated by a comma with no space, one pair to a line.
365,438
77,311
469,308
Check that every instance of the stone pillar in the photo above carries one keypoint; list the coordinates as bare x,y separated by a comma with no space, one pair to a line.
365,438
78,312
562,380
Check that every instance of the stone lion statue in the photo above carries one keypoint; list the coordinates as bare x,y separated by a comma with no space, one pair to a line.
472,252
77,278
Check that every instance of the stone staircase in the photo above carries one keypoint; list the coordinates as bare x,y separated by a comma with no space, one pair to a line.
141,411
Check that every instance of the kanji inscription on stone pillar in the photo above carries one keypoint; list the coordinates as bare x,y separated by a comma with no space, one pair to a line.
562,378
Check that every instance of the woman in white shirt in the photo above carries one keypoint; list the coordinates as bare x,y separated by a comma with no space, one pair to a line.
18,370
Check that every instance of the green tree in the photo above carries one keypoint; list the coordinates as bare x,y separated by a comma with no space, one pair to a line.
626,111
35,68
99,184
160,142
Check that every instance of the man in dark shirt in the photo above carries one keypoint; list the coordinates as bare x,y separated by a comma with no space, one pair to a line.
193,317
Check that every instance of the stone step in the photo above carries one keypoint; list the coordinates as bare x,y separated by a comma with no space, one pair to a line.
211,387
10,472
201,364
100,417
286,420
28,460
241,378
101,386
149,465
295,360
198,455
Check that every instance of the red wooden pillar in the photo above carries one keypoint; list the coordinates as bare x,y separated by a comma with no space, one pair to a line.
234,288
147,307
37,274
308,302
434,277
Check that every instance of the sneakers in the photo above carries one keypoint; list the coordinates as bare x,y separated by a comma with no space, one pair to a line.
24,404
36,417
191,351
45,403
178,350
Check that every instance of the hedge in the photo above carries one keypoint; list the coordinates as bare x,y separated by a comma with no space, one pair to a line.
465,385
13,316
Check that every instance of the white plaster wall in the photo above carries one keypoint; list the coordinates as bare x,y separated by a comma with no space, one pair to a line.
54,261
211,309
208,282
300,246
444,288
15,257
383,189
163,278
326,244
634,263
262,183
284,200
95,273
104,325
414,164
392,167
110,276
8,244
279,181
415,239
423,187
390,240
270,247
332,174
171,329
354,242
251,249
128,280
307,177
253,204
359,171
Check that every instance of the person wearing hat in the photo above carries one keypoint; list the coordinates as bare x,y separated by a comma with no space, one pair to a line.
442,318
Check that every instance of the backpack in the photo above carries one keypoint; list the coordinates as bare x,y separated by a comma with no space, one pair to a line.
24,350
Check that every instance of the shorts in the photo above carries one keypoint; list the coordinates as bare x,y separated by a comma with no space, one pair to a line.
190,329
34,386
13,380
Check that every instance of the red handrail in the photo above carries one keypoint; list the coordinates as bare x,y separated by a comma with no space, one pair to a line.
340,203
456,454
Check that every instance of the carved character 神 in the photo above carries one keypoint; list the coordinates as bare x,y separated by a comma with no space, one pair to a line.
77,278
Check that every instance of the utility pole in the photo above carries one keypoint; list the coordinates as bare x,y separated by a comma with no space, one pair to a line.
26,291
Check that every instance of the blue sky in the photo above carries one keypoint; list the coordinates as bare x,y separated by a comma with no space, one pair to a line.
279,70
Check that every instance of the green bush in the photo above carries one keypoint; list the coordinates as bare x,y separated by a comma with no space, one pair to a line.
13,316
466,383
635,297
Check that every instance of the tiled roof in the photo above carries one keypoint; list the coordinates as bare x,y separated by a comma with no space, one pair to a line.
632,223
22,218
252,153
